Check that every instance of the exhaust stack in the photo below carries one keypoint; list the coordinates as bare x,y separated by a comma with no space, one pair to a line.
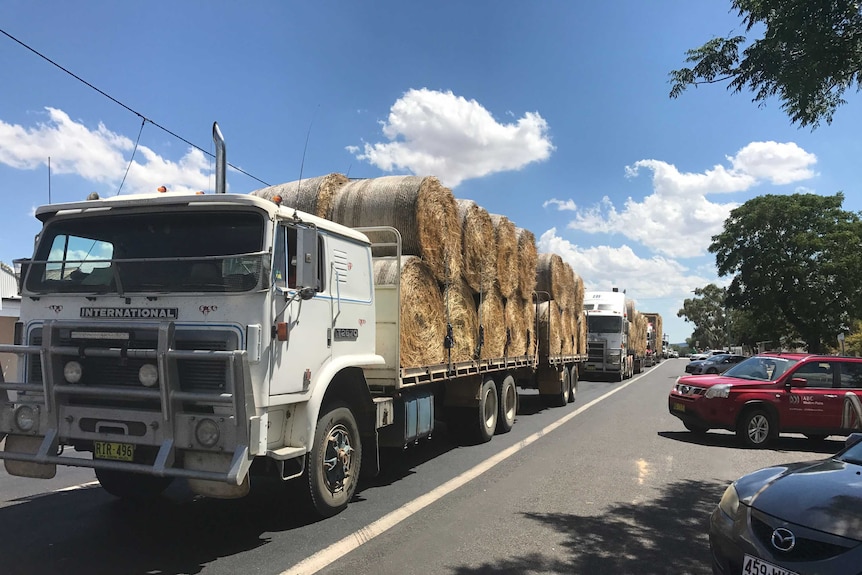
221,159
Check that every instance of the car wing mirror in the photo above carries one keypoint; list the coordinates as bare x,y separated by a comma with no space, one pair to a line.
797,382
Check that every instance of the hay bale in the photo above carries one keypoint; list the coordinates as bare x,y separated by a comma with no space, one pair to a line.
550,334
582,333
492,319
577,303
507,255
527,258
423,323
516,326
312,195
552,280
421,208
568,334
478,244
460,311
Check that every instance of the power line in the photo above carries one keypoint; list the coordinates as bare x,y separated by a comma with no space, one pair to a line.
143,118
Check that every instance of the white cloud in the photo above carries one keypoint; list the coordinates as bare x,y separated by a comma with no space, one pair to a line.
562,205
677,219
455,139
604,267
99,156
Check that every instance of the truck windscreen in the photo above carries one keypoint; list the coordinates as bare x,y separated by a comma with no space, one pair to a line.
181,251
604,323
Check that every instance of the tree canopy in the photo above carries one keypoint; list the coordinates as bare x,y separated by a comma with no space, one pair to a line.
795,260
708,314
809,55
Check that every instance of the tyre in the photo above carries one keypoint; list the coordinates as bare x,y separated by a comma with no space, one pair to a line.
484,425
695,428
755,428
332,468
573,383
507,400
132,486
560,398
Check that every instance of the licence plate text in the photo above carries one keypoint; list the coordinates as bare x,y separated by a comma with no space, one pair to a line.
115,451
755,566
679,407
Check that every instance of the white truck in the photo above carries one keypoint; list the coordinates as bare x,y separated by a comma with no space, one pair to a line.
608,352
217,337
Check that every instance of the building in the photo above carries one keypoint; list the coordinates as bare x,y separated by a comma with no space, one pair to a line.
10,311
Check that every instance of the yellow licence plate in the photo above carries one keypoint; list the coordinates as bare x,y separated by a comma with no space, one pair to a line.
679,407
115,451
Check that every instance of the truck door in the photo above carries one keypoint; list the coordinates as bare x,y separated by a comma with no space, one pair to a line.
296,268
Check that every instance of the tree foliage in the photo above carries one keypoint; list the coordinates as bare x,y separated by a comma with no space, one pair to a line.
809,55
796,261
708,314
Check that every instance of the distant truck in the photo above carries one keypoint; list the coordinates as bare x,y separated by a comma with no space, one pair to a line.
218,337
608,328
656,346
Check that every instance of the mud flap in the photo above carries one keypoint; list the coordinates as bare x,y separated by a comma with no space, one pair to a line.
30,445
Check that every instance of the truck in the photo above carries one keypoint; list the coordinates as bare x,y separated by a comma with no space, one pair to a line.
219,337
656,346
608,328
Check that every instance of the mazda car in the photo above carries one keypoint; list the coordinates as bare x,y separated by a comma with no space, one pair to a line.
792,519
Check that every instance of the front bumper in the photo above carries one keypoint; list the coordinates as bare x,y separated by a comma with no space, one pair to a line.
160,422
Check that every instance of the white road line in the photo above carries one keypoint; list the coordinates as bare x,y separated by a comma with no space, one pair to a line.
337,550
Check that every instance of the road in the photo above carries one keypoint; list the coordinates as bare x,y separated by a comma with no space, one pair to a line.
609,484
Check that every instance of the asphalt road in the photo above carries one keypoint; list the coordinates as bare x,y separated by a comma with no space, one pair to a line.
609,484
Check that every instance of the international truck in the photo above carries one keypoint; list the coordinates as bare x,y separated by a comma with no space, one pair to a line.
607,335
219,337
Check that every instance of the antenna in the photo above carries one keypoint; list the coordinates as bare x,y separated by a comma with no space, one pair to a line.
49,179
304,149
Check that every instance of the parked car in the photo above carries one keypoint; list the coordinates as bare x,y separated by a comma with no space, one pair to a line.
771,393
715,364
794,518
706,354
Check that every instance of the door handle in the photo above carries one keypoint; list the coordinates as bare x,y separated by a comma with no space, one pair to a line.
831,396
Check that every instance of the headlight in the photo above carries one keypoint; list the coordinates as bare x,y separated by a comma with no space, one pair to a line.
148,375
72,372
720,390
26,418
729,503
207,432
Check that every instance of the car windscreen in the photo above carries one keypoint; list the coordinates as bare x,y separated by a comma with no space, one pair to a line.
761,368
604,323
183,250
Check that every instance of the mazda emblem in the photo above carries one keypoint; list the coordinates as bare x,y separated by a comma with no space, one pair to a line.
783,539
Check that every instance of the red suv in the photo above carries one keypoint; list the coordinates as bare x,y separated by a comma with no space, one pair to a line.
818,395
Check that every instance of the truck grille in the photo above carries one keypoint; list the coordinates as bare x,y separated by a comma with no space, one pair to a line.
194,375
596,351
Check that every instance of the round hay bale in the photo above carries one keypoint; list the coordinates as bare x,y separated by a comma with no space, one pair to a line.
312,195
420,208
552,281
478,244
507,255
459,309
527,258
423,323
532,326
567,329
492,319
550,334
520,319
577,303
582,333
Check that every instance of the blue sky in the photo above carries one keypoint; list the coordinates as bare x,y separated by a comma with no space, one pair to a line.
554,113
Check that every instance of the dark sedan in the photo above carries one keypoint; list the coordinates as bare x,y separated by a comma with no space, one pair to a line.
795,518
715,364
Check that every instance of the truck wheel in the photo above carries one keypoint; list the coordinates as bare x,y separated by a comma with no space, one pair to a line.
132,486
507,399
332,469
560,398
755,428
573,383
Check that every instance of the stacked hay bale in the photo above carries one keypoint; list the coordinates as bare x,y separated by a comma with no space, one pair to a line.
555,281
313,195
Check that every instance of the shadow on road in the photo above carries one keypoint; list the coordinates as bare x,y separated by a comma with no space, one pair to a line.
782,444
666,535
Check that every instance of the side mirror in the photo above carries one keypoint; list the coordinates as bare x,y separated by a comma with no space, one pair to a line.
307,293
796,382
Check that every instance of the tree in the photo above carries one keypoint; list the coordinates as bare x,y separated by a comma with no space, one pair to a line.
708,314
809,55
794,259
